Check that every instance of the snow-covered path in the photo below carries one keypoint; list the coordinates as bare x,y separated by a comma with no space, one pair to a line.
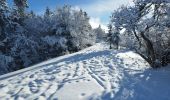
88,74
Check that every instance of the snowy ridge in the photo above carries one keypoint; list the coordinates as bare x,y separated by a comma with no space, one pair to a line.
95,73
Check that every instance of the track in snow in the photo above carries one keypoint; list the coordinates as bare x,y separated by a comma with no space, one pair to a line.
80,76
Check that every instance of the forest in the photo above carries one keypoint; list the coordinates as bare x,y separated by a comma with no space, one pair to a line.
27,38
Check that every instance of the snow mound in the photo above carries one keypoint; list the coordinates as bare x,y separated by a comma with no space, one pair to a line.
93,73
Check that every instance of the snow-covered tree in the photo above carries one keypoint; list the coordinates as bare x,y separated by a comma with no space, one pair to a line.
47,13
100,34
74,26
3,17
27,38
31,14
5,64
113,36
20,6
109,36
6,61
4,26
3,6
140,21
116,38
25,51
81,30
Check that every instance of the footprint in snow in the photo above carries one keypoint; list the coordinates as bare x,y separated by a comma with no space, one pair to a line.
86,80
50,78
85,62
83,94
2,85
33,87
77,81
31,76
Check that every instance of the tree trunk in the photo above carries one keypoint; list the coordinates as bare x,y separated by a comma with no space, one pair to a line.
150,50
110,45
137,37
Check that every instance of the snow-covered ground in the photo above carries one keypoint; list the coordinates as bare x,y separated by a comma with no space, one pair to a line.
93,73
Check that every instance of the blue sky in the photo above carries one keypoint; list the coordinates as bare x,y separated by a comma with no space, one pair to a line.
98,10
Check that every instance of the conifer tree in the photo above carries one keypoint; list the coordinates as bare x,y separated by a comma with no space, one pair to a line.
21,6
47,13
110,35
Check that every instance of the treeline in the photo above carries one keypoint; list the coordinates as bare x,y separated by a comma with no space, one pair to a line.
27,38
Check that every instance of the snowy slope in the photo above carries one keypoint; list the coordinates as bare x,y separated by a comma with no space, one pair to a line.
93,73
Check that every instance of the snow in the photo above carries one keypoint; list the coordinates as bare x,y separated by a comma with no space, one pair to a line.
93,73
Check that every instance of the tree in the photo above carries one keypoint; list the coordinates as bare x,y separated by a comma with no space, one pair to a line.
19,10
140,20
47,13
74,26
100,34
4,26
116,38
110,35
6,61
21,5
27,38
25,51
81,30
5,64
3,17
32,14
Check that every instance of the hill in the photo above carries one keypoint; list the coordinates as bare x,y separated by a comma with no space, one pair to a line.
93,73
